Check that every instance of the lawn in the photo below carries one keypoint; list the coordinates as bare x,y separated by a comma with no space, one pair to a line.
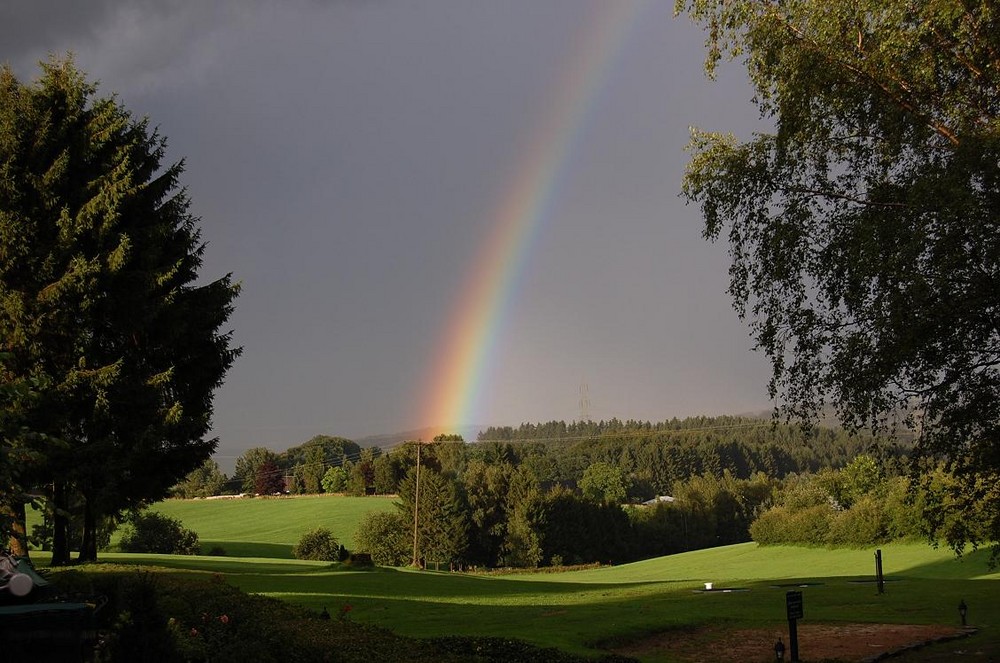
265,527
583,611
269,527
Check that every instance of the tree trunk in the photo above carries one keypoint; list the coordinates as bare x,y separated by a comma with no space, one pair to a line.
60,525
88,547
18,542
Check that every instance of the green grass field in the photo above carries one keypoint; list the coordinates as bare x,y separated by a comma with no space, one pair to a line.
581,611
269,527
265,527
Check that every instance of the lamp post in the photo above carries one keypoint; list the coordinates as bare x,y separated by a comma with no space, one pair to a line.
962,610
779,650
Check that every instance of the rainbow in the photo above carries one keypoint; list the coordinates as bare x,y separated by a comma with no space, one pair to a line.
466,351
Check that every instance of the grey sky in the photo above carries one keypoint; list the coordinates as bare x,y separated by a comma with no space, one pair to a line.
345,159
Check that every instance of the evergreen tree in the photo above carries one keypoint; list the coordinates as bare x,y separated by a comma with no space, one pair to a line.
99,256
442,518
20,456
313,470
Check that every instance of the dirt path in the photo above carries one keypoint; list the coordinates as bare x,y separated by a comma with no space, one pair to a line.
817,642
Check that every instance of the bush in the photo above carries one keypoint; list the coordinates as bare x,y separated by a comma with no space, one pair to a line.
319,544
864,524
903,510
360,560
769,528
781,525
383,536
152,532
811,526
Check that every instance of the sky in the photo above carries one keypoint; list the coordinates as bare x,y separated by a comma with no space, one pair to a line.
445,213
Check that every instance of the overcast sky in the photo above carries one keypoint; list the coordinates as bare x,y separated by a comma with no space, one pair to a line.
346,159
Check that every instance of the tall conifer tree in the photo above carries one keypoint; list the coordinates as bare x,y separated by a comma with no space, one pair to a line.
99,263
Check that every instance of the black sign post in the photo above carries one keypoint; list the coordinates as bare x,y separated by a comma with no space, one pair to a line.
793,606
879,578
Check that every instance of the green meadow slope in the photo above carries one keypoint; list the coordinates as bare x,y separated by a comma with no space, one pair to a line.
586,611
264,527
269,527
583,612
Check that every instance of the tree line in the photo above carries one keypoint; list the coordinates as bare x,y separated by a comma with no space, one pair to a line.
559,493
650,457
496,513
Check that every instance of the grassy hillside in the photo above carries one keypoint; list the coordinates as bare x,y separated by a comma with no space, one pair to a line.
579,611
269,527
265,527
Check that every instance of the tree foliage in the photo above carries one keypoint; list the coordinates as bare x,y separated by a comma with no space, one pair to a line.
152,532
99,265
205,480
334,451
20,455
317,544
312,469
248,466
269,479
603,482
335,480
442,518
864,228
361,475
518,498
383,536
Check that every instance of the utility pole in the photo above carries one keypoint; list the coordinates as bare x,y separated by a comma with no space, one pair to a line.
416,507
584,401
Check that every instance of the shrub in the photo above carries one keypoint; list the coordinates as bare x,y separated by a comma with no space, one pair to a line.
865,523
781,525
383,536
318,544
769,528
811,525
152,532
903,511
362,560
804,491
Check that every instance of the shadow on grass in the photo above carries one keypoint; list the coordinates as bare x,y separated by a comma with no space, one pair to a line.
973,564
226,565
249,549
573,616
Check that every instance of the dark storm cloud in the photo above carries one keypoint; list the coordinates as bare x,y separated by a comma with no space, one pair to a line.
31,25
346,160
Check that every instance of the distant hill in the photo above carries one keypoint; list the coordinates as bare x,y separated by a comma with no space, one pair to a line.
384,442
